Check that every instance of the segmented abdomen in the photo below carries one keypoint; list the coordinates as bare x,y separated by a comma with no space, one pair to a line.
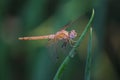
37,37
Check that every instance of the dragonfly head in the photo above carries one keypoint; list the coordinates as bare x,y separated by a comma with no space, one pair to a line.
72,34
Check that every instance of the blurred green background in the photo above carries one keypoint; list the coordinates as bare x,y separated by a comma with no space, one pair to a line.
31,60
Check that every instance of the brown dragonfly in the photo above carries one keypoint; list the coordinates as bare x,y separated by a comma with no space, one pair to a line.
62,34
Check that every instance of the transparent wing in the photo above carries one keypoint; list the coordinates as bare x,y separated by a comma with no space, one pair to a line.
71,23
58,50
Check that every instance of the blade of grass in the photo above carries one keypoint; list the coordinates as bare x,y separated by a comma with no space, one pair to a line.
89,58
71,54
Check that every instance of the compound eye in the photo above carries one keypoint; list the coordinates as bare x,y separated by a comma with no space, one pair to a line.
73,34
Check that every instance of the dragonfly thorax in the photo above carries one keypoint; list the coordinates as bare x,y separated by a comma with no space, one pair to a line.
63,34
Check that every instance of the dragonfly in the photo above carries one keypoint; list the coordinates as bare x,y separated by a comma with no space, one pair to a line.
61,35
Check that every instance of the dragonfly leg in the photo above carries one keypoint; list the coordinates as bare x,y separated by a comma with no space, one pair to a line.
64,44
72,42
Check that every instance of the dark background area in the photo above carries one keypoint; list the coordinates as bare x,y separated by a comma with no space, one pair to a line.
30,60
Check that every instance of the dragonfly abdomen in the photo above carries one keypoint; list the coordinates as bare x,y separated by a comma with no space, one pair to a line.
37,37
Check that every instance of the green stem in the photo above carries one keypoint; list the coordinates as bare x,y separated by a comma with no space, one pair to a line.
71,54
89,58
